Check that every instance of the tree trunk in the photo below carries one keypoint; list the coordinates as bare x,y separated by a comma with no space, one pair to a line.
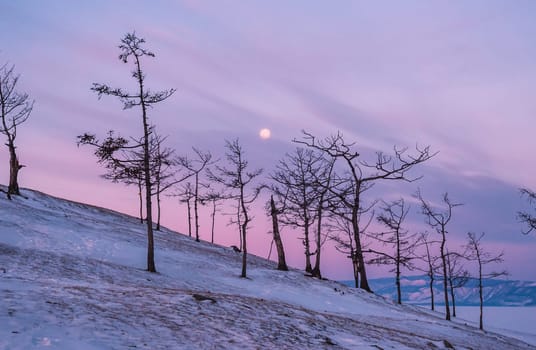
316,269
244,233
432,291
281,262
357,239
189,217
355,266
359,252
14,167
147,170
452,297
196,197
239,225
480,291
308,267
398,287
158,208
445,281
213,219
140,196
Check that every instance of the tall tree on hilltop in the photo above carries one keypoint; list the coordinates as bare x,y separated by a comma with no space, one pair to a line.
238,180
439,220
347,188
15,109
132,49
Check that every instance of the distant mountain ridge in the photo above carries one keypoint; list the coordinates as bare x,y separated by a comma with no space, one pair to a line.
415,290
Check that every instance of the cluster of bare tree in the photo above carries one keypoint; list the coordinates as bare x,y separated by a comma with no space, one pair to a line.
321,190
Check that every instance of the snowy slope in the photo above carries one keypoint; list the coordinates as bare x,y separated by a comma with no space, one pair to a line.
72,277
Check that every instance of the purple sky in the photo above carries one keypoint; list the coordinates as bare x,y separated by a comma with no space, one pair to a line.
457,75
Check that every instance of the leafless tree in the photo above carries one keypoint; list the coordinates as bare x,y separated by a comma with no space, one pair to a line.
195,167
296,176
15,109
458,276
475,252
185,195
132,49
213,198
349,186
238,180
431,265
525,217
439,220
164,171
399,239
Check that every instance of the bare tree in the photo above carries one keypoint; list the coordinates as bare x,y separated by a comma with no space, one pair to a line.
360,176
15,109
458,276
213,197
131,48
439,220
297,176
392,217
341,232
525,217
196,167
475,252
430,261
322,184
238,179
185,195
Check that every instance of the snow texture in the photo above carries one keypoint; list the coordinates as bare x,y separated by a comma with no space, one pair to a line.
72,277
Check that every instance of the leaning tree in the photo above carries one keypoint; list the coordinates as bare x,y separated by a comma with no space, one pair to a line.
15,109
132,50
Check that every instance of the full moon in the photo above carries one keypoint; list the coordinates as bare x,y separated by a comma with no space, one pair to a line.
265,134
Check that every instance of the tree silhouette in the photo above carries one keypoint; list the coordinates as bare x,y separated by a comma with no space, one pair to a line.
15,109
132,49
347,188
238,180
439,220
475,252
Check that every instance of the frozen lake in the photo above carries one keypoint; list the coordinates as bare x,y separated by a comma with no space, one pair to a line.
518,322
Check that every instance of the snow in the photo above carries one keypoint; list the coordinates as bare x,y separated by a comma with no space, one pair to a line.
72,277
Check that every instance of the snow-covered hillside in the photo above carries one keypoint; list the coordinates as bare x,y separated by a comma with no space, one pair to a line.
72,277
